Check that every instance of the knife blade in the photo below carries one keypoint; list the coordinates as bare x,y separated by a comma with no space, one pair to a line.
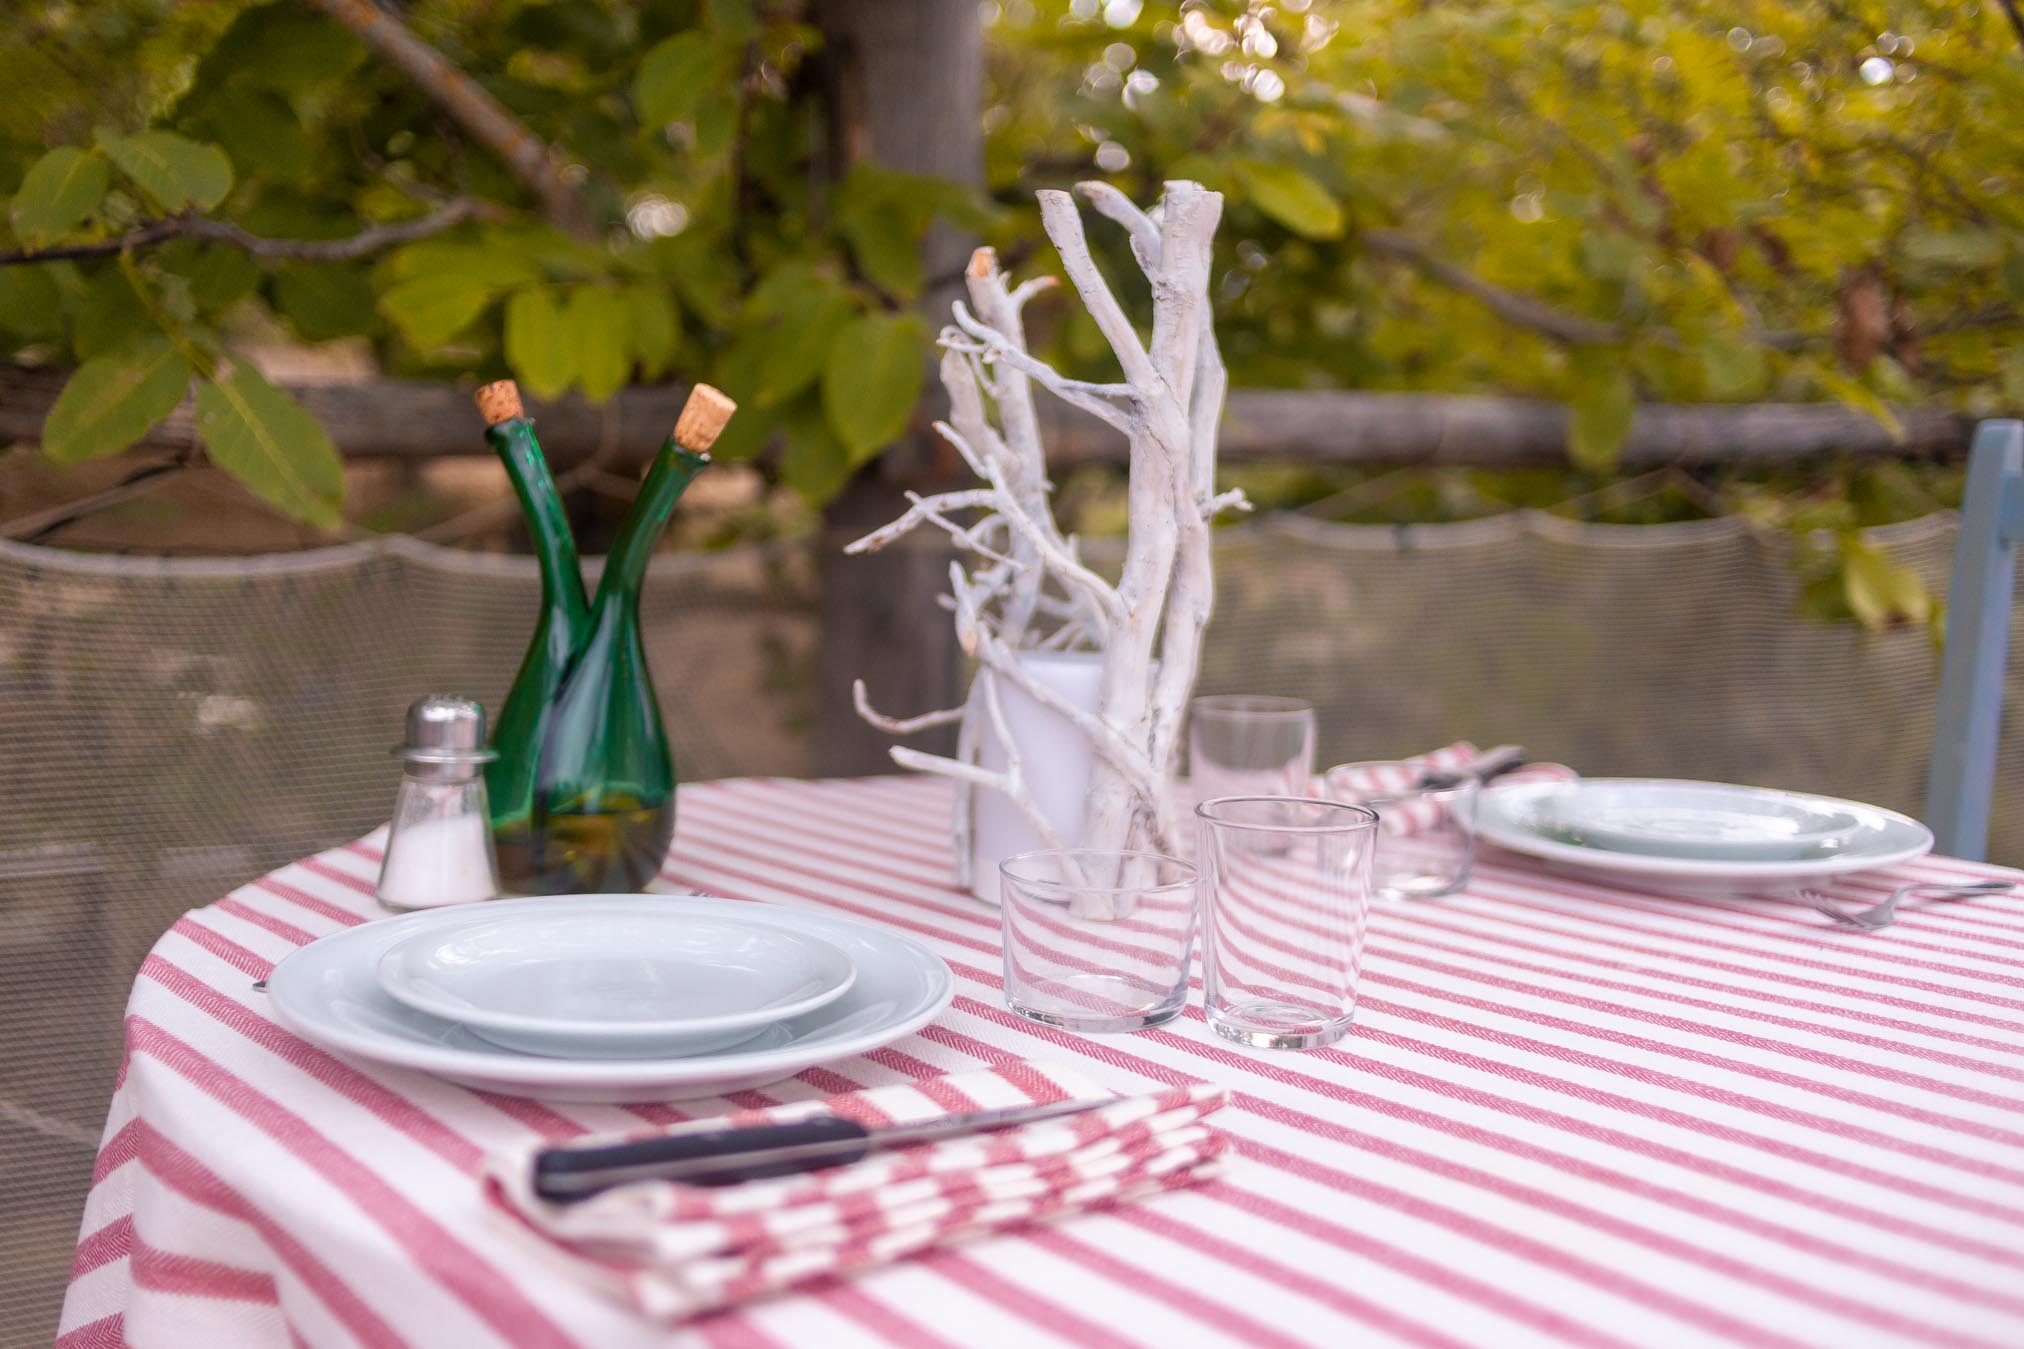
726,1156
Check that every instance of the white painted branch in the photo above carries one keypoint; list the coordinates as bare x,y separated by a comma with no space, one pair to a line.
1064,227
924,510
1149,625
1115,205
1232,500
900,725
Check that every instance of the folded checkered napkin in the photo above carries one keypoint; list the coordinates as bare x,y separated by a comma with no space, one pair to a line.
677,1251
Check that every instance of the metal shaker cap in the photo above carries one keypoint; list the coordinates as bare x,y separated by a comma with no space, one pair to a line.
446,729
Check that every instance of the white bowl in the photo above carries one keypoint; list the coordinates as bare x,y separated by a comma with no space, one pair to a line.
615,980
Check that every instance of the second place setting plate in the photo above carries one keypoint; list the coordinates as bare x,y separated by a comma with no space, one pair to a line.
1509,818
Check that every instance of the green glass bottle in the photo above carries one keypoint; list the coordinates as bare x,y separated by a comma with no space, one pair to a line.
604,784
559,628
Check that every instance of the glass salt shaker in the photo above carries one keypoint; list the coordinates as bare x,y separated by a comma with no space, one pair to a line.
439,847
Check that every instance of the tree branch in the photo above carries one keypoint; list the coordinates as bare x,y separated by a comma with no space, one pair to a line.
39,525
484,116
2015,16
1509,305
362,244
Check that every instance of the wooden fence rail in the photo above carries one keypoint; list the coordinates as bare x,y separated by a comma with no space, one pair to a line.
422,419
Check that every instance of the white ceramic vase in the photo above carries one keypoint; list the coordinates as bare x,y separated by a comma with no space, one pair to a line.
1055,757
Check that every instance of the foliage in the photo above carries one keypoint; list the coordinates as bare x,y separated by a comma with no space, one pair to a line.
1597,202
694,131
1689,200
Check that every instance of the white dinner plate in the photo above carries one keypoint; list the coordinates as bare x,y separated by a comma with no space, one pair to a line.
1704,821
329,993
1881,838
615,979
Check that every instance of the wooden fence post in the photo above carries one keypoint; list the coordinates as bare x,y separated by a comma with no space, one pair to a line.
907,79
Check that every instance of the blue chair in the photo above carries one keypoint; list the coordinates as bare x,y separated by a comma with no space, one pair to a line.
1978,640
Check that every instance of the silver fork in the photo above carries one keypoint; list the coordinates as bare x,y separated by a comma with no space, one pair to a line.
1879,916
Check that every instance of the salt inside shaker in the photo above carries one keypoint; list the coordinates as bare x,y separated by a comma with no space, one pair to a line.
439,847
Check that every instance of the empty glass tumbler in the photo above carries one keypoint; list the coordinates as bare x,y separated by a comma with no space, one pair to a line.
1097,940
1242,744
1286,895
1426,836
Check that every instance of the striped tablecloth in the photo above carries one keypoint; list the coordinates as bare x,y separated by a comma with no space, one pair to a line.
1567,1114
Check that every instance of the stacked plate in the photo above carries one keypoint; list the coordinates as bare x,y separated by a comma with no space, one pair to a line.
1707,836
610,997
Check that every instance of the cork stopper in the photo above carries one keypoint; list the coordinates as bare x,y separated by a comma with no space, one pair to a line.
500,402
703,418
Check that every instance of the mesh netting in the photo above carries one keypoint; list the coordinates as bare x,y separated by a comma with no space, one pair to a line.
171,728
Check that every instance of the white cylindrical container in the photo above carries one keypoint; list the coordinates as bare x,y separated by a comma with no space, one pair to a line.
1054,756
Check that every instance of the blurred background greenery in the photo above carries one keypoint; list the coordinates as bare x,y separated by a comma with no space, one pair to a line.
1595,203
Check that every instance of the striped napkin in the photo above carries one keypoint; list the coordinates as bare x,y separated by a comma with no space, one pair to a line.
1363,782
677,1251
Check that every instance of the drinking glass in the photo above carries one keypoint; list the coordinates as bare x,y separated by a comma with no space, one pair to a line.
1282,925
1242,744
1097,940
1426,836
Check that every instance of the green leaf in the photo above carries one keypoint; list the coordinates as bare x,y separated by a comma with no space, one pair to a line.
1879,591
2013,376
325,300
734,19
1292,198
800,344
1734,366
1959,249
1852,392
675,74
498,265
656,328
872,380
442,286
59,190
271,443
219,275
430,310
280,46
174,170
114,400
1599,417
716,122
539,347
815,463
750,432
887,247
260,131
30,307
596,324
105,315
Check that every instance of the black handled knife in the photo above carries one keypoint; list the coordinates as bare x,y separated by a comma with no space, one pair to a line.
727,1156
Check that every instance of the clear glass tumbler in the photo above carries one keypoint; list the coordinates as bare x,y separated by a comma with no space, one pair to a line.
1286,895
1242,744
1426,836
1097,940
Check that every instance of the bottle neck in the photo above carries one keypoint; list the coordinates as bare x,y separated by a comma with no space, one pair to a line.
547,522
625,569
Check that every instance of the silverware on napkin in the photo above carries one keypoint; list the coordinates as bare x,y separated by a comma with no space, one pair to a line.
1485,768
1877,917
726,1156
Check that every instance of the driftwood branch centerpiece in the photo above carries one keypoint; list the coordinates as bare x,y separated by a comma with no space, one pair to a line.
1020,592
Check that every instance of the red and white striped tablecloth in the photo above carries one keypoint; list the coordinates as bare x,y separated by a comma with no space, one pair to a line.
1567,1114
